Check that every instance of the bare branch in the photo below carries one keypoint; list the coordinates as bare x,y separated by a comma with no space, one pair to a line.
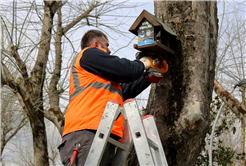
23,25
125,45
230,101
7,32
82,16
56,117
53,93
23,97
20,63
22,123
8,79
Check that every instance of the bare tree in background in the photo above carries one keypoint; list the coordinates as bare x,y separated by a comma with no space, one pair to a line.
231,61
20,149
13,117
39,78
53,139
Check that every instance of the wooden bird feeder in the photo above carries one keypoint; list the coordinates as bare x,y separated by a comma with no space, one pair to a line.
153,35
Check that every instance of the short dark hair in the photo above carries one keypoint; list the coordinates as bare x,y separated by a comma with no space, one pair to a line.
90,36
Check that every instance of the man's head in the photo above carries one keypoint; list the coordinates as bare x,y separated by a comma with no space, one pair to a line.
95,38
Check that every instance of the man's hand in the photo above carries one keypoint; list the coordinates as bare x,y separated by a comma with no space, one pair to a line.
153,75
146,61
150,61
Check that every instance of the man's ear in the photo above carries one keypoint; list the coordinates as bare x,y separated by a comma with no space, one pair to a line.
95,44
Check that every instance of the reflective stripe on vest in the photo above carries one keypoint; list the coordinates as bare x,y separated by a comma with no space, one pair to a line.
96,85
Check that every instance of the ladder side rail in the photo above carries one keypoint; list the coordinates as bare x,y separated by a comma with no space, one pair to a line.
100,140
138,134
153,135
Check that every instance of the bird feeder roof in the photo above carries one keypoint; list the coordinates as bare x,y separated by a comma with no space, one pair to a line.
152,19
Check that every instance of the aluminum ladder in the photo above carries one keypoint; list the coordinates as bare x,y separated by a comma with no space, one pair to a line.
143,134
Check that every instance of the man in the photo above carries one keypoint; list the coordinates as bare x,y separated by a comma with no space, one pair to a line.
96,77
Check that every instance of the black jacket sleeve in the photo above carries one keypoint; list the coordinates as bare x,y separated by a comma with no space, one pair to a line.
111,67
129,73
132,89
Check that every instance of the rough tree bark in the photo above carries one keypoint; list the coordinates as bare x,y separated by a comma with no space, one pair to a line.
180,103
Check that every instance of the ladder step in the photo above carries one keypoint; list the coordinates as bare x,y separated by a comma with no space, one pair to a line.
121,154
152,144
117,144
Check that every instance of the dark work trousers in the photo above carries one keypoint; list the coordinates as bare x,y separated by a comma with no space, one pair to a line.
85,139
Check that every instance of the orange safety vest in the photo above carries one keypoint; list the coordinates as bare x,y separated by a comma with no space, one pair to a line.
88,96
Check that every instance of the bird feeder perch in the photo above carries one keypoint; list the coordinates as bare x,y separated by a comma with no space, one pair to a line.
153,35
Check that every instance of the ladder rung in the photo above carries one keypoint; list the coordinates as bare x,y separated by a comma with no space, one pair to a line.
152,144
116,143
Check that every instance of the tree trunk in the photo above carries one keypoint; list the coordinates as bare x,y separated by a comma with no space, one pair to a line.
39,139
36,114
243,133
180,103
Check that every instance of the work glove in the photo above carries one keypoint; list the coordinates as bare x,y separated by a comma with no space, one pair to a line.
146,61
153,75
143,57
150,61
